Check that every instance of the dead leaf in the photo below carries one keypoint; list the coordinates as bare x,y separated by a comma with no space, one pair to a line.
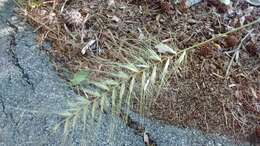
115,18
163,48
89,44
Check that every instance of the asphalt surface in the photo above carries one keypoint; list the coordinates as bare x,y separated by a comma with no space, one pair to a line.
31,93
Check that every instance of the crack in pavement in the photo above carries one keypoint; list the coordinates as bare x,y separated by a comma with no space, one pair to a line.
15,60
15,28
3,106
137,127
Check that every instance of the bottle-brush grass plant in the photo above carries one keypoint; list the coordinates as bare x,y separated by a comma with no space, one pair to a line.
141,75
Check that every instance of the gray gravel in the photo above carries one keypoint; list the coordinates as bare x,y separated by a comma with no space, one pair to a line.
31,93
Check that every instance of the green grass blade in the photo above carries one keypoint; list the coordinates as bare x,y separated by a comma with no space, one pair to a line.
66,130
143,83
100,85
93,111
74,120
92,92
121,94
131,87
121,75
129,66
129,97
65,114
111,82
142,92
114,101
103,103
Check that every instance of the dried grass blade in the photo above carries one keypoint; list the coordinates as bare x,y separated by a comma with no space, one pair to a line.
153,75
121,75
100,85
163,48
165,70
91,92
129,66
181,58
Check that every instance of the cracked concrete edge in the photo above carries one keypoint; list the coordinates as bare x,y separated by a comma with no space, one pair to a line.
12,52
170,133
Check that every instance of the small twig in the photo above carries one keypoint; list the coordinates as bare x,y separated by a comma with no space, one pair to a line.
229,65
47,27
225,114
83,27
205,118
221,35
253,70
236,54
62,8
